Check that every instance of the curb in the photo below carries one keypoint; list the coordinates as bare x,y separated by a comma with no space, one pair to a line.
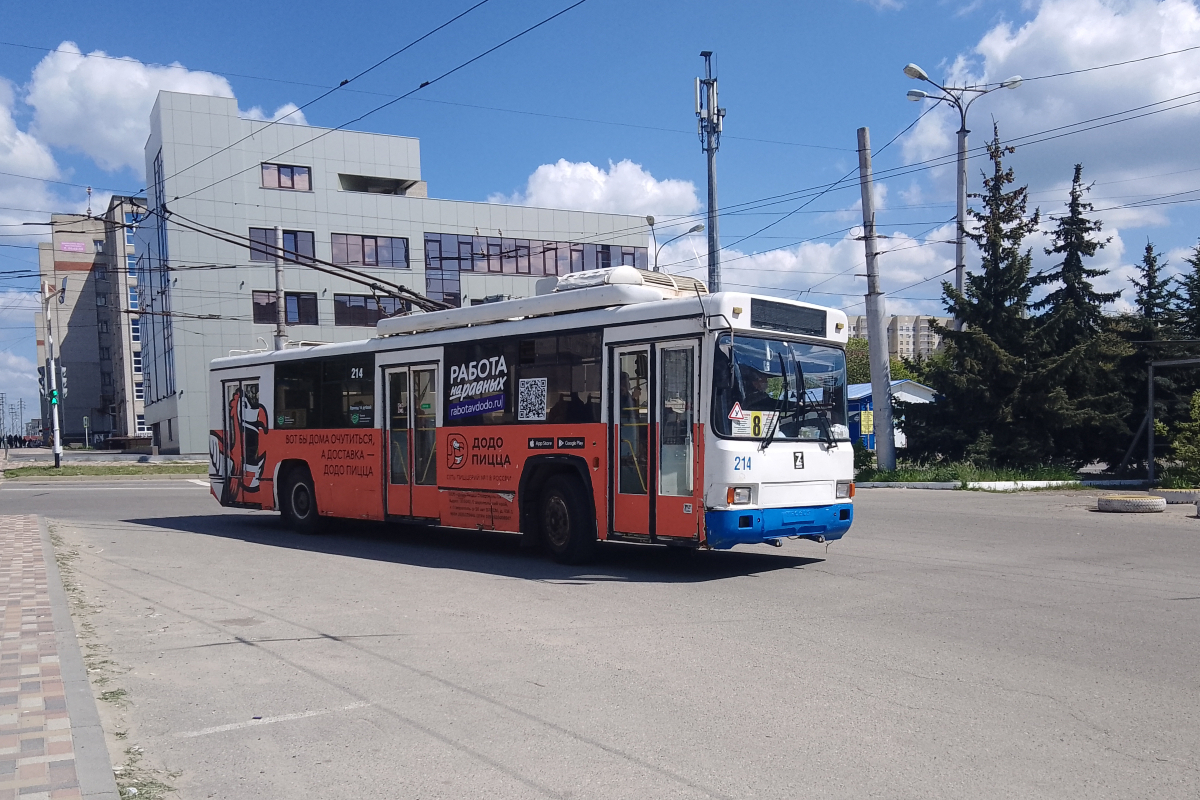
1177,496
993,486
166,476
93,769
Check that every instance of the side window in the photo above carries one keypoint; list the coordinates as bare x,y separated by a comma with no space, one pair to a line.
348,392
296,394
560,378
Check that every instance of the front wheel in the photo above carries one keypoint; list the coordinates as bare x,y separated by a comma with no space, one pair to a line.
299,502
565,521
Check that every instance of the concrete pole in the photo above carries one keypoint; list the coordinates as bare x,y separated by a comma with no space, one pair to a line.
960,249
52,378
881,372
280,308
714,238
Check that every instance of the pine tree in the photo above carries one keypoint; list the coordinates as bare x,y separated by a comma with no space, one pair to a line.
1073,309
982,410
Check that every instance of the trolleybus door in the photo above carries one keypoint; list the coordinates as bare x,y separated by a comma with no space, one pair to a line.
631,445
676,509
412,441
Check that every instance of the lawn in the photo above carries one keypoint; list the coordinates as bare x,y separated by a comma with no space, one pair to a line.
75,470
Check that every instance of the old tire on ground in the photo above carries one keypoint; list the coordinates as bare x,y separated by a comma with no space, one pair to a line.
1131,504
299,502
565,520
1177,496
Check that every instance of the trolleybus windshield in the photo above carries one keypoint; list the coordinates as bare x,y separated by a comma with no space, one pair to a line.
756,390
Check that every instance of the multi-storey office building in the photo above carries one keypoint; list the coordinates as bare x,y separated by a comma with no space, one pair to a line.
73,261
345,197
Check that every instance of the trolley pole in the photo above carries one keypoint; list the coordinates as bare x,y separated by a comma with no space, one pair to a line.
280,308
881,372
711,118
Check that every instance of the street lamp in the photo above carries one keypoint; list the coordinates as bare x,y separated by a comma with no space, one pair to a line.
650,222
693,229
957,96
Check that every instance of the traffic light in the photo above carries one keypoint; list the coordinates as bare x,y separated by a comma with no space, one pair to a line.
62,379
54,397
42,381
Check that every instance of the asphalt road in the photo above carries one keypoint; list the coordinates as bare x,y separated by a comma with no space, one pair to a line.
956,644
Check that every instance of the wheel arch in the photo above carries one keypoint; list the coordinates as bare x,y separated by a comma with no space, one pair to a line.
538,470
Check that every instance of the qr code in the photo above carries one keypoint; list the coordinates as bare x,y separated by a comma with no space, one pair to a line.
531,402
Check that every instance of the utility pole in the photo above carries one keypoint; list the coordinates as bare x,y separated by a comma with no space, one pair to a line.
51,374
280,309
711,118
881,370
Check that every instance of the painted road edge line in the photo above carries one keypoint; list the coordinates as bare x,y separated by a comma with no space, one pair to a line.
233,726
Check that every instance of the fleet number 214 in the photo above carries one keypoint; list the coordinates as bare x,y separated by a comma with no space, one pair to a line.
741,463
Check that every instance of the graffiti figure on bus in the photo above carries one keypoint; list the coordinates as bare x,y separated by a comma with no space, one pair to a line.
236,455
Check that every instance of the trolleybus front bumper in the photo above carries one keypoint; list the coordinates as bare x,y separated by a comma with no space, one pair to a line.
724,529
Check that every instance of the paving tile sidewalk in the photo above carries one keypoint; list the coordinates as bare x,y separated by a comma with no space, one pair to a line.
51,745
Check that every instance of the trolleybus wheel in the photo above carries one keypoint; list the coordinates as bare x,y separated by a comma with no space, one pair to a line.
300,502
565,523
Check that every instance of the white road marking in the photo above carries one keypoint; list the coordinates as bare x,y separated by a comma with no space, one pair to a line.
265,721
198,482
74,487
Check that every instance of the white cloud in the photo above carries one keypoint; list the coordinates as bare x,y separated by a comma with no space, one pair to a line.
1066,35
624,188
18,374
288,113
101,106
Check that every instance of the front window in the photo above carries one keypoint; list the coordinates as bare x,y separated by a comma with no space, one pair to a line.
756,390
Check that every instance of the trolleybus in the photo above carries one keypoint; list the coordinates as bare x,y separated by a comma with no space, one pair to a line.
617,404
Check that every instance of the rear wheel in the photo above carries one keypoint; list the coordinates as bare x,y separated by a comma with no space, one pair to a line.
565,520
299,502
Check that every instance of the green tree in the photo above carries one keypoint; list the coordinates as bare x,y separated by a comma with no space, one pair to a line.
858,364
982,409
1072,308
1155,299
1187,305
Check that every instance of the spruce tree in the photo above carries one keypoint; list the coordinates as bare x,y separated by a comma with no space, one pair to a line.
1154,298
1187,305
982,410
1073,308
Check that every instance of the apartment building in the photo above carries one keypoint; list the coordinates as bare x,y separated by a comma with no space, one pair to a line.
909,336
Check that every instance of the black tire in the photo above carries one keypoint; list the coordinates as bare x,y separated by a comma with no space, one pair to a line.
565,520
299,502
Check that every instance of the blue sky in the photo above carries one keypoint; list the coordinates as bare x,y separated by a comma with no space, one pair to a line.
542,120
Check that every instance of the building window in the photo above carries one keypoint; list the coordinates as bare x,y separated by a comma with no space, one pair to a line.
364,310
137,363
102,326
101,299
141,424
99,245
106,379
300,308
139,391
370,251
101,272
283,176
135,329
106,354
297,245
131,265
130,222
133,298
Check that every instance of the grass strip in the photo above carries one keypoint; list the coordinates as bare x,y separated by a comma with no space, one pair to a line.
963,473
72,470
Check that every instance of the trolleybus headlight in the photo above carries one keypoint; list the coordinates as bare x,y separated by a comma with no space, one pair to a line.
845,490
738,495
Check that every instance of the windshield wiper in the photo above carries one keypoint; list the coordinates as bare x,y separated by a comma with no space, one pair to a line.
803,405
769,437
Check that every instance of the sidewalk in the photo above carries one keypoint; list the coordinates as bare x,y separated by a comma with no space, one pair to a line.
51,743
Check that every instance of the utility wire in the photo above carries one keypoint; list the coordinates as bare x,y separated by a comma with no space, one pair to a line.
397,99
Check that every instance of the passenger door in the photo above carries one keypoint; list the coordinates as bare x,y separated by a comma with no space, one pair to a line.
412,406
655,401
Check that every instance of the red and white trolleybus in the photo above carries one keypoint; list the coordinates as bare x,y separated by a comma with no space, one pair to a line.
617,404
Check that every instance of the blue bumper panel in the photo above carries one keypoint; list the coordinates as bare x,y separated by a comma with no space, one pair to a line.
724,529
